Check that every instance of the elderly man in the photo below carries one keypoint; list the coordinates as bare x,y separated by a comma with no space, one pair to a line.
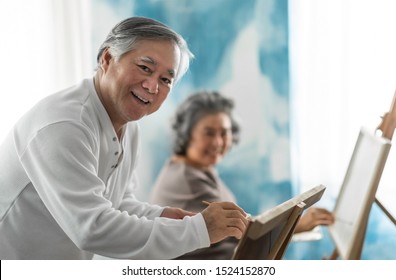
68,167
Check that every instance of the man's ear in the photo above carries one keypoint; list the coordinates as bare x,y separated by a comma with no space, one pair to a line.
105,60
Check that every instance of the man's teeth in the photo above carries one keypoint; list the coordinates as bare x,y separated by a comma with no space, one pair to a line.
141,98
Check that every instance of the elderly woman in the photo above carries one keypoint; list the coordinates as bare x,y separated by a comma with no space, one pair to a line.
204,129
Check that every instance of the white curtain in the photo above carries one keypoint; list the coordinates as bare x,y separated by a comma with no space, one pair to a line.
343,77
45,47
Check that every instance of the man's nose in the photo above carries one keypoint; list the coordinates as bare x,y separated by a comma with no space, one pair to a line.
151,85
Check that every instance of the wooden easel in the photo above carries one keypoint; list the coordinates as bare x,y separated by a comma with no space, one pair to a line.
268,235
251,241
281,244
386,127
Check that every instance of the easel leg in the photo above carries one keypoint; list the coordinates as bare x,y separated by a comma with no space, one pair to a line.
334,255
385,211
282,242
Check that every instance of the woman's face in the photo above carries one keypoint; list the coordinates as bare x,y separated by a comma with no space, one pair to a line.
211,138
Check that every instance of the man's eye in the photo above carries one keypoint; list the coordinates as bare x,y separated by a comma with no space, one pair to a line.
145,68
167,81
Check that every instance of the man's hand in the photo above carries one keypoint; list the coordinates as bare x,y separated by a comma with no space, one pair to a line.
224,219
314,217
175,213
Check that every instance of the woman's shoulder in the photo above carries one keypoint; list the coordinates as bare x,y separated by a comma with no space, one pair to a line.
179,167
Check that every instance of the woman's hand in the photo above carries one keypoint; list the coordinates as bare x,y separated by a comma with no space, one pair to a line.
314,217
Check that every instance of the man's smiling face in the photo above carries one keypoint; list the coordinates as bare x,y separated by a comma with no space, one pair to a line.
138,83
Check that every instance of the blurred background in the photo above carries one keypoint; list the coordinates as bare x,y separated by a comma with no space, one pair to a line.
305,76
